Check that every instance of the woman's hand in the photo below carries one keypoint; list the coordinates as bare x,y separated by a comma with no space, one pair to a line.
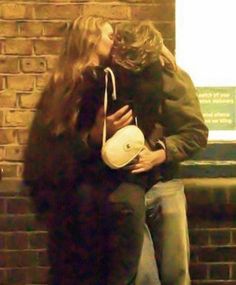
118,120
147,159
115,121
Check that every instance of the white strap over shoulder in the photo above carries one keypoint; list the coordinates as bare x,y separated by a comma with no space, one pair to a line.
108,71
127,142
113,79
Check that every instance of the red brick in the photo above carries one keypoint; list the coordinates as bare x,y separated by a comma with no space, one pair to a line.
20,170
19,258
19,118
19,206
170,45
18,46
1,82
8,98
1,154
2,258
2,242
3,228
194,252
20,82
41,80
30,29
219,271
26,223
224,253
2,276
55,28
22,135
9,170
38,240
200,197
167,29
33,64
117,12
38,275
14,153
16,276
31,258
7,136
198,271
155,12
29,101
2,118
48,46
51,62
220,237
13,11
9,64
234,236
234,271
17,240
143,1
57,11
199,237
2,206
8,29
43,258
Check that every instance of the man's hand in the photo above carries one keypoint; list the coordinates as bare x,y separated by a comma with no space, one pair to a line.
147,159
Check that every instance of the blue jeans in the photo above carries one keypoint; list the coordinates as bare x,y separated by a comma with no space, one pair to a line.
147,273
167,222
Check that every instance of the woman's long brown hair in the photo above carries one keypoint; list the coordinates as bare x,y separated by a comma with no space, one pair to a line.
138,45
59,104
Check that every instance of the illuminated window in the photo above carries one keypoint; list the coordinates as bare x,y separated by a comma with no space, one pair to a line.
206,49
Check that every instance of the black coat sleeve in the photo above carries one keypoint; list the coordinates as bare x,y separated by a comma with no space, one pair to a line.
52,164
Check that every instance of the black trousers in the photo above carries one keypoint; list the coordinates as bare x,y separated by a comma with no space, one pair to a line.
99,241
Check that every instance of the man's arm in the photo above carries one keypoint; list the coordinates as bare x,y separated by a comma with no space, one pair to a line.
186,131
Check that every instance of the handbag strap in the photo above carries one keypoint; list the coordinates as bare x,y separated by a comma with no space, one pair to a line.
108,71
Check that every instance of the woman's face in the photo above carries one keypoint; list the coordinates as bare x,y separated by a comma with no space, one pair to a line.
106,42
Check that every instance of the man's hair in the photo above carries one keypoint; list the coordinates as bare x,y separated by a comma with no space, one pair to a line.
139,44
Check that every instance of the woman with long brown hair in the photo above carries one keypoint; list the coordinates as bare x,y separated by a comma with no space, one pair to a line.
95,215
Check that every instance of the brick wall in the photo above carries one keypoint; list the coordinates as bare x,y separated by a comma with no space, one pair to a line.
212,224
30,40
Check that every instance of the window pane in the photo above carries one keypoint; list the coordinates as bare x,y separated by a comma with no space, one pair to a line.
205,47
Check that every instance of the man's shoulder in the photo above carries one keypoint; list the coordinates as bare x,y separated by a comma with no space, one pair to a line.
177,82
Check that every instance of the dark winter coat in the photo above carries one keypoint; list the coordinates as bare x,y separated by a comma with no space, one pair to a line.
167,108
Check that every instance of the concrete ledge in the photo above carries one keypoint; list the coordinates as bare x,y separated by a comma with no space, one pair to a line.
16,186
205,169
209,183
